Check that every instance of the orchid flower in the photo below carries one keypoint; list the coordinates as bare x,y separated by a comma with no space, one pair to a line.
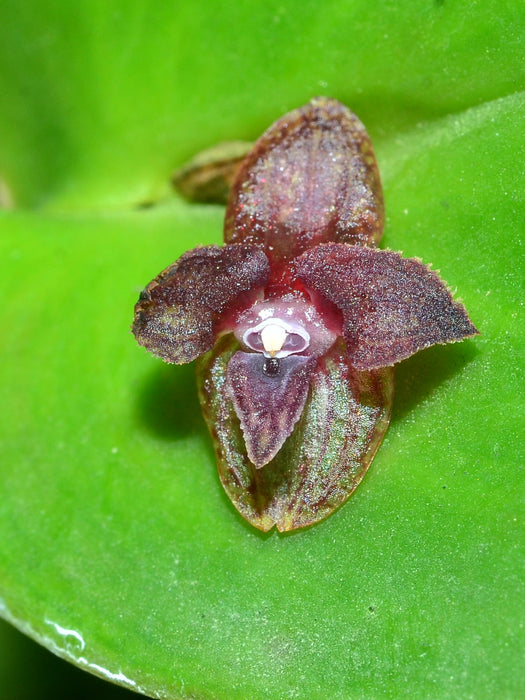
298,319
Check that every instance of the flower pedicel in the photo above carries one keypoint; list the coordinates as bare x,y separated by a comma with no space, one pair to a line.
297,320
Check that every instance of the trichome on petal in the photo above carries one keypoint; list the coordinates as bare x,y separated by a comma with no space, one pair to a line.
180,313
392,306
311,178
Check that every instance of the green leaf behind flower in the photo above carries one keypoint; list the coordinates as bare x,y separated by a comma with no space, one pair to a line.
119,549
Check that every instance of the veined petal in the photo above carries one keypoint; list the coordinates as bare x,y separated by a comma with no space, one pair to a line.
178,315
392,306
324,459
311,178
267,403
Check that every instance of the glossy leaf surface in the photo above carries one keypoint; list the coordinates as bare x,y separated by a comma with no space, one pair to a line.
119,549
314,472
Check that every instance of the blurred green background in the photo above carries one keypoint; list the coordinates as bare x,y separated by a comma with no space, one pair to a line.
119,550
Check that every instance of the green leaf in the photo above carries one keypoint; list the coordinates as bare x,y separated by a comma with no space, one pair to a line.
100,101
120,550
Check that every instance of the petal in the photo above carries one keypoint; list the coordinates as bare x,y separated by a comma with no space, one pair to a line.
324,459
311,178
268,406
392,306
178,314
